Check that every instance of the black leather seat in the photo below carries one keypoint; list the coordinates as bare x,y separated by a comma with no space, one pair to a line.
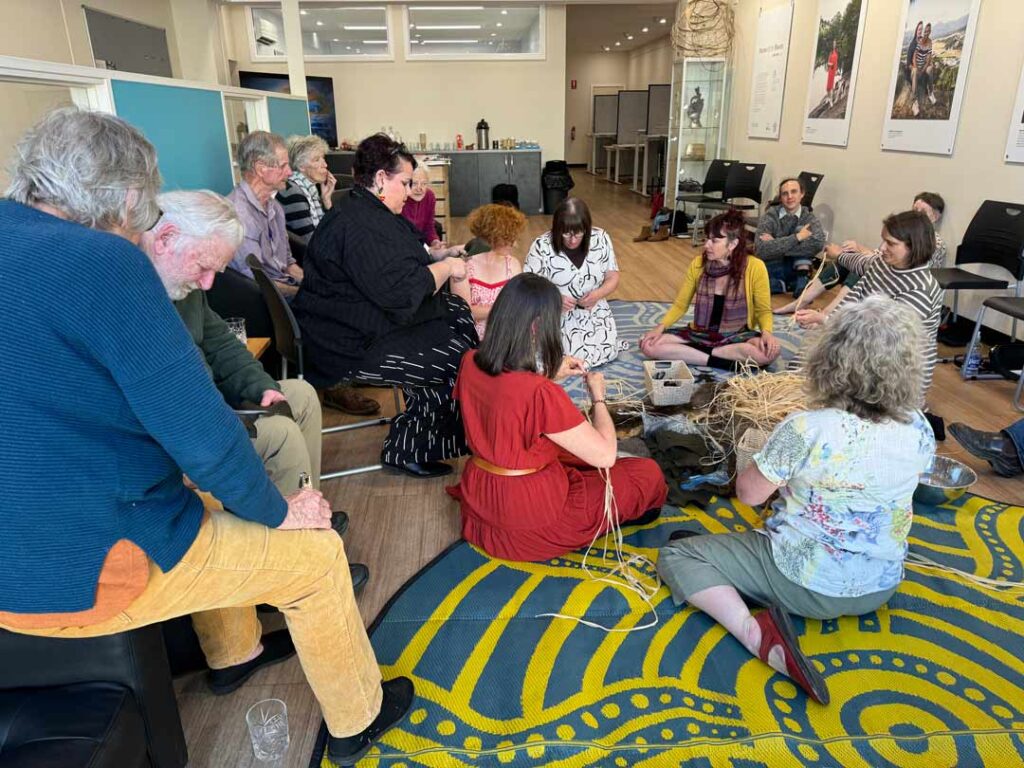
97,702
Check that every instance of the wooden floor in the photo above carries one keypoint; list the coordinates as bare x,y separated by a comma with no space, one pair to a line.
400,524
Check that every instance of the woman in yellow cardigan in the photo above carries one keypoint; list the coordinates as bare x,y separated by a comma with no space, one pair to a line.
732,311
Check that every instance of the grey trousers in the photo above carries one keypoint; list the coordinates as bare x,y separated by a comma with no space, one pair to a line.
289,447
744,561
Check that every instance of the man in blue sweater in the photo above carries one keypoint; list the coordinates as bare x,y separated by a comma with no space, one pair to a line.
111,406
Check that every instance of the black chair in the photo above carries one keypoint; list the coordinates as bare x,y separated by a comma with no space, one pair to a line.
743,182
711,190
1008,305
97,702
811,181
288,342
235,295
994,236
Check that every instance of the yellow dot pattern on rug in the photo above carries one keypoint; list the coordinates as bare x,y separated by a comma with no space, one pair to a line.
446,728
566,732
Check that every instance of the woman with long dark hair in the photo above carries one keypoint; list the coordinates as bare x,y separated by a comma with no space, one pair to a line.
533,490
579,259
732,311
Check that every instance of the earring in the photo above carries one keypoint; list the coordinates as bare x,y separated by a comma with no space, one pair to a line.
380,194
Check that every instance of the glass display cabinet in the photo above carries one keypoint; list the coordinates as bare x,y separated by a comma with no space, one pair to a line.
696,123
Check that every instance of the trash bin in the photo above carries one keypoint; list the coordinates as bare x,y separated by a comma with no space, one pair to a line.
555,181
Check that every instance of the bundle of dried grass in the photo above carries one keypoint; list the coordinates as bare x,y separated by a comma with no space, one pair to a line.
706,28
759,401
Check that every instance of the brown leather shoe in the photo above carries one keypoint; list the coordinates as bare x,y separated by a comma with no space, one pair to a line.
346,399
660,235
645,232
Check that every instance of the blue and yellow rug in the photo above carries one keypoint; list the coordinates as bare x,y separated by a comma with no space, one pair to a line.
635,318
934,680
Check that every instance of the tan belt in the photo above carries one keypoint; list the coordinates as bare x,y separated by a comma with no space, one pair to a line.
494,469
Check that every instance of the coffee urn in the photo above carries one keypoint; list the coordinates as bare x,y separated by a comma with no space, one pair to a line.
483,132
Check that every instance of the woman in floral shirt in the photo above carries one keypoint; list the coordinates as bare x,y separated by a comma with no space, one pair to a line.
836,537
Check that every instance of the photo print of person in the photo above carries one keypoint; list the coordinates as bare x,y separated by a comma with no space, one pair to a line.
834,62
933,44
931,57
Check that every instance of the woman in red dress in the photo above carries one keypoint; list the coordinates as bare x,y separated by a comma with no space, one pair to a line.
532,490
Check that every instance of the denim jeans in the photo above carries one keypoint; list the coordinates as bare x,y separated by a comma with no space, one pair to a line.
1016,434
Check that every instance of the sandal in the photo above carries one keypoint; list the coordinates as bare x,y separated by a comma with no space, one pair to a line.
777,630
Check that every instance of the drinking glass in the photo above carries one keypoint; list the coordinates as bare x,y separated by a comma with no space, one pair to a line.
268,729
237,326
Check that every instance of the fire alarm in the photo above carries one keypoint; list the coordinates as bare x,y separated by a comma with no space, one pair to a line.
572,85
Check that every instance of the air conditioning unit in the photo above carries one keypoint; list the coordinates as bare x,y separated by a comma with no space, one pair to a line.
266,32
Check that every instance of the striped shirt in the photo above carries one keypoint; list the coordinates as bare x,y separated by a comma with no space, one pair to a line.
921,55
914,287
302,207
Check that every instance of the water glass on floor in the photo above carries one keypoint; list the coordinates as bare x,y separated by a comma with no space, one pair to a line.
237,326
268,729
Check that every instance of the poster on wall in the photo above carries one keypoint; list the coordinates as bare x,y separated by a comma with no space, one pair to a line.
834,62
319,94
933,53
1015,140
768,83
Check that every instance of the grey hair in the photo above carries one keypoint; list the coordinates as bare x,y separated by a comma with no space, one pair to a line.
868,360
303,149
258,147
95,168
202,214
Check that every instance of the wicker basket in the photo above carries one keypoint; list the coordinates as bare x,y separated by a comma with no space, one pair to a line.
751,442
669,382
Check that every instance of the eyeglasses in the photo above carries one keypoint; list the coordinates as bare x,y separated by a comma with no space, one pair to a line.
159,215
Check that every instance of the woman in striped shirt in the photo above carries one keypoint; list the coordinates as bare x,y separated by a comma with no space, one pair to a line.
900,270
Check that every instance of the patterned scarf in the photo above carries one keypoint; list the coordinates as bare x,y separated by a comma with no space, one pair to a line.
734,314
312,193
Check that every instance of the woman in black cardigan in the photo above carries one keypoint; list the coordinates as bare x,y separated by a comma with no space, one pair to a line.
371,309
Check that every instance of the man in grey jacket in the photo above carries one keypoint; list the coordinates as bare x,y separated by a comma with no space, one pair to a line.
791,234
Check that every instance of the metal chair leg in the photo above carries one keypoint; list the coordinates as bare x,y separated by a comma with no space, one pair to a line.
1018,396
973,345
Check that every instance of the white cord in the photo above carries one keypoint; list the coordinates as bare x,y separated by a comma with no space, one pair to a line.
914,558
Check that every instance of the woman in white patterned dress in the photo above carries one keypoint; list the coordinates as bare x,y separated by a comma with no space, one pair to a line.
580,260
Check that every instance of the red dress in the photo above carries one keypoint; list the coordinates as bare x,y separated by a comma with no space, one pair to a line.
833,65
550,512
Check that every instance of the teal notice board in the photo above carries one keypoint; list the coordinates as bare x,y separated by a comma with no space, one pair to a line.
288,117
186,125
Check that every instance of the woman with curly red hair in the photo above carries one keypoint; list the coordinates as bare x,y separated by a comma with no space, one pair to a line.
732,310
487,273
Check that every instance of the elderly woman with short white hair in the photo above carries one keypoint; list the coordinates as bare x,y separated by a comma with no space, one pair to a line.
834,541
307,194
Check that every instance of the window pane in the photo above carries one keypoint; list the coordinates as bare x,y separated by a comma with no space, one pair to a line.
23,105
445,30
326,31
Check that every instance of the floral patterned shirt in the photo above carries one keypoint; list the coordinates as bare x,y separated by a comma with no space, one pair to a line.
840,525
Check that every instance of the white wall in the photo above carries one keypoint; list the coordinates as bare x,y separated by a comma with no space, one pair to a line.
862,183
588,69
200,37
520,99
651,63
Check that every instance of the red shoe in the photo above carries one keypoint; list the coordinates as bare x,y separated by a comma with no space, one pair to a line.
777,629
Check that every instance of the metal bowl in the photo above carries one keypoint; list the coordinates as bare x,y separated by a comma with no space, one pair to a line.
944,480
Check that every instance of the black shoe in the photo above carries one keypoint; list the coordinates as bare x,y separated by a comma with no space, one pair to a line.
938,425
994,447
647,517
423,469
398,697
682,533
277,646
360,575
339,522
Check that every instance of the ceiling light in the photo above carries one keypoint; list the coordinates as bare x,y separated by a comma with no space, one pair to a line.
662,21
360,28
494,34
348,47
334,40
645,29
419,35
303,12
359,50
607,48
440,27
629,37
319,23
412,26
449,42
447,7
504,12
375,42
499,24
617,42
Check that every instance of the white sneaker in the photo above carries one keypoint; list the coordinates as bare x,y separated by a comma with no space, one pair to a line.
931,98
915,109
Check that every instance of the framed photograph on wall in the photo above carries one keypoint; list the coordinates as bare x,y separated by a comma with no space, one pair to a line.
1015,139
319,94
835,59
933,54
